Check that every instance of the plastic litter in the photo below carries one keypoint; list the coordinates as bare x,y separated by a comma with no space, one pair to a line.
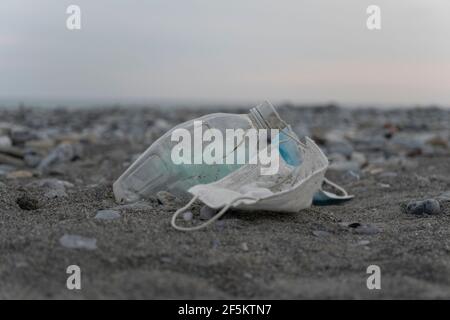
295,186
154,170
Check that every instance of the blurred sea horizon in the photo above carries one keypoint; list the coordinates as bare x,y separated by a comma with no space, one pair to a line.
12,103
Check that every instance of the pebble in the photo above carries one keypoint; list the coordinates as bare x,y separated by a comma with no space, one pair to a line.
432,207
19,174
41,144
359,158
362,228
343,147
244,246
55,193
5,169
78,242
165,259
207,213
5,141
64,152
351,176
162,124
107,214
54,183
187,215
20,135
321,234
367,229
429,206
165,198
363,243
445,196
54,188
384,185
215,243
388,174
32,159
11,159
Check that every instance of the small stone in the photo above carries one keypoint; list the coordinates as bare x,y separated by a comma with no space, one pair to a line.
165,259
26,202
5,169
367,229
428,206
41,144
375,171
351,176
207,213
20,135
32,159
107,215
64,152
438,141
19,174
363,243
321,234
360,158
343,147
78,242
53,188
361,228
162,124
5,141
445,196
187,215
215,243
166,198
432,207
244,246
384,185
415,207
55,193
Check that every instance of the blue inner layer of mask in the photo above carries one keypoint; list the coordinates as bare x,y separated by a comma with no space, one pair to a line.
291,154
289,149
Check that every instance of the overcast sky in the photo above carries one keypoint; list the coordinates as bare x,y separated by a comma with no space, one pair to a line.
229,50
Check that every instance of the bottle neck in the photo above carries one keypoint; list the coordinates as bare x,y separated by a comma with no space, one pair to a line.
264,116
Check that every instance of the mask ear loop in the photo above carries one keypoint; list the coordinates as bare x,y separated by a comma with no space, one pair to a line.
337,187
207,223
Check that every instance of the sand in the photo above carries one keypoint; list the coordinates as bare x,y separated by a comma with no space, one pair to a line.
262,255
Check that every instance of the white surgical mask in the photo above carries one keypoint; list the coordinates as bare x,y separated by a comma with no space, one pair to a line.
291,189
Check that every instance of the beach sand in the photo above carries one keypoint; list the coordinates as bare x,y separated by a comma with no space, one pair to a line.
386,158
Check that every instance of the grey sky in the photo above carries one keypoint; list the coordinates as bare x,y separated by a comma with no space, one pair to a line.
233,50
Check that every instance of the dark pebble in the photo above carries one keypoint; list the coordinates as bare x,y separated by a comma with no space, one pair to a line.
361,228
429,206
432,206
415,207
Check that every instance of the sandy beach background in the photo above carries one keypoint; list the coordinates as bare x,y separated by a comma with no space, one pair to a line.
57,167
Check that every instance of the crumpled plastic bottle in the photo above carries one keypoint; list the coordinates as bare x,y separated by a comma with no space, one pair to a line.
155,171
